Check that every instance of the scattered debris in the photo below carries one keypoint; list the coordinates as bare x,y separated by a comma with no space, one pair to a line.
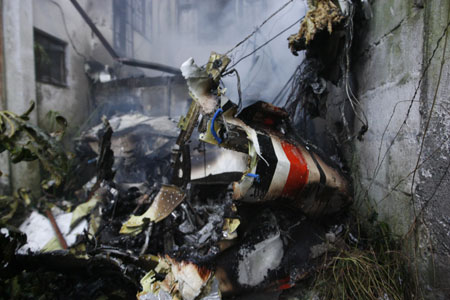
98,72
225,206
41,235
229,201
168,198
182,280
141,145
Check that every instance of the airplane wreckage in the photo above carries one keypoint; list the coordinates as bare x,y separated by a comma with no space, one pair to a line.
235,211
228,201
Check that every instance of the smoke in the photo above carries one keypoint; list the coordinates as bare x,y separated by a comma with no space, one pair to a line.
202,26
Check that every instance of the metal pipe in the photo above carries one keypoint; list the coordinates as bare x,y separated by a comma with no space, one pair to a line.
149,65
113,53
59,235
94,28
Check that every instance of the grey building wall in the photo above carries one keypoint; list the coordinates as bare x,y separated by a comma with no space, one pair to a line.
61,20
5,187
400,85
19,81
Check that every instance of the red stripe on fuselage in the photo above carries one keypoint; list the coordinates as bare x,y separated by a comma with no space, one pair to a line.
298,172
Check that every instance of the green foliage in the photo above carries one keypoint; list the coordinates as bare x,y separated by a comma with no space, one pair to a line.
13,206
27,142
56,124
375,269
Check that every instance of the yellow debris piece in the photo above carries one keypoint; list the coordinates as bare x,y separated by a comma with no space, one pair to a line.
168,198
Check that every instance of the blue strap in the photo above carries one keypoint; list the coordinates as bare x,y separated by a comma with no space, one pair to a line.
213,131
256,176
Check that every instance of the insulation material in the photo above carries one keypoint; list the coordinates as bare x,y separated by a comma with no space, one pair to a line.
322,15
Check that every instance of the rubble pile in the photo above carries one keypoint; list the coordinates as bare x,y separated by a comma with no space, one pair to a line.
228,205
226,202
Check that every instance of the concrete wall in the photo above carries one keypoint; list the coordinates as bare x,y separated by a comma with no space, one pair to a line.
397,91
433,178
5,186
19,88
61,20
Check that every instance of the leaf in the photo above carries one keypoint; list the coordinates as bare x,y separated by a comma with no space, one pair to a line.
29,110
27,142
8,207
52,245
24,194
83,210
12,128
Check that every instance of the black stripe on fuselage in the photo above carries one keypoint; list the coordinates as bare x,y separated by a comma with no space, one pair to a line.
265,171
323,177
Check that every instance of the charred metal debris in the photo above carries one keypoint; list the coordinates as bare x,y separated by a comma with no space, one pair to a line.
227,201
321,95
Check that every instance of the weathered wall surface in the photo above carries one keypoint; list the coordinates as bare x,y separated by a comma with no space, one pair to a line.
19,78
72,100
5,186
387,66
433,178
397,90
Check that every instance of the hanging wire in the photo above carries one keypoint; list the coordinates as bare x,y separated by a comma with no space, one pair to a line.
259,27
264,44
67,30
279,97
354,102
238,87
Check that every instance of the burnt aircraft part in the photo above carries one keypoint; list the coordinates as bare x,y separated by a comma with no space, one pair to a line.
165,202
141,145
287,168
216,165
195,224
279,165
265,114
182,166
265,169
77,278
274,252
